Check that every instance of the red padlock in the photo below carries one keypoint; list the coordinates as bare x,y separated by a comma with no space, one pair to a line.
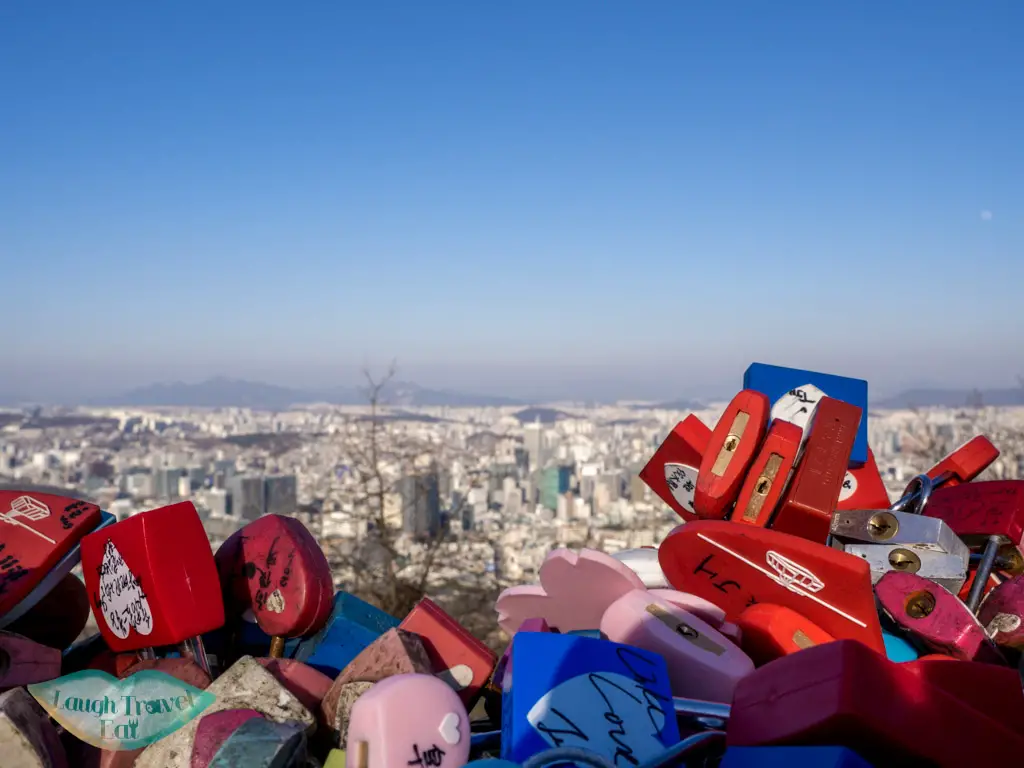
274,567
768,475
736,566
844,694
152,581
863,488
965,463
810,500
36,531
672,471
730,451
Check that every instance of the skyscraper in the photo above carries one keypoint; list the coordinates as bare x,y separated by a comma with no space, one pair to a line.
247,496
421,504
280,495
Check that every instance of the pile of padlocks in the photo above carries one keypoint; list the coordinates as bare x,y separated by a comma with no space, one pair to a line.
797,618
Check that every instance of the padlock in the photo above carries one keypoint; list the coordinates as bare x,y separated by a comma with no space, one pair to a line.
948,571
964,463
672,471
24,661
883,526
644,563
729,453
456,656
306,684
39,546
351,627
768,475
898,648
991,689
262,743
408,720
574,591
845,694
735,566
795,393
1002,613
702,663
810,499
213,730
501,669
274,567
396,652
570,691
988,514
935,618
245,685
27,738
59,617
770,631
863,487
787,757
152,581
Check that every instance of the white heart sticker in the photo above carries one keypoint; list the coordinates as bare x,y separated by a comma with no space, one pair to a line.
682,482
121,599
849,486
449,728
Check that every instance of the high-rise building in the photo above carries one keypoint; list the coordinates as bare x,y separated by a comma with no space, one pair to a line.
421,504
533,442
554,482
247,496
165,483
281,495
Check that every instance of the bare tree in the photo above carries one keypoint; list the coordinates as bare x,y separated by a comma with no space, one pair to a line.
396,557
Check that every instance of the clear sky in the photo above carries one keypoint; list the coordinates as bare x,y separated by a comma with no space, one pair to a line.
530,198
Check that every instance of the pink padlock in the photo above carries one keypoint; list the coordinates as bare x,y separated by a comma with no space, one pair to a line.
702,663
408,720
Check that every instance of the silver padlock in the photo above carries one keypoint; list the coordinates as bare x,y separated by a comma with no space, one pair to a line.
947,570
883,526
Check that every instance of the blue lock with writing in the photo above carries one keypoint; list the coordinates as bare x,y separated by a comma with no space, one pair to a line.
352,626
792,757
582,692
776,381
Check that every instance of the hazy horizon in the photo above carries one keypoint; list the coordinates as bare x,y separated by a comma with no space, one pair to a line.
530,200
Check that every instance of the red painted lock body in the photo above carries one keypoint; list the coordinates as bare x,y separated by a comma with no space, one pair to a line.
976,511
1002,613
734,443
844,694
991,689
769,474
965,463
736,566
37,530
152,580
863,487
275,567
810,500
456,656
935,617
769,631
672,471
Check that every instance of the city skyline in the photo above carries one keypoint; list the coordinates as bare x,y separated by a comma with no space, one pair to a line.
531,201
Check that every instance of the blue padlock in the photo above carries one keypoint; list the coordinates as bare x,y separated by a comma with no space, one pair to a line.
777,382
352,626
792,757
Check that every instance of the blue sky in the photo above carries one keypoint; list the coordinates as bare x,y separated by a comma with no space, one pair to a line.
532,198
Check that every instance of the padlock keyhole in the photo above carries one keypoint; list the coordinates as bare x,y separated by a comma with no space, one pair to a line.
731,443
920,604
762,486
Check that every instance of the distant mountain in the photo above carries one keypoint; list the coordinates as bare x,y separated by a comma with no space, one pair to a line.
951,398
222,392
672,405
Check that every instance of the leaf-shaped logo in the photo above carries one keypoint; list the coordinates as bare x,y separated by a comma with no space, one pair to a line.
117,714
121,600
